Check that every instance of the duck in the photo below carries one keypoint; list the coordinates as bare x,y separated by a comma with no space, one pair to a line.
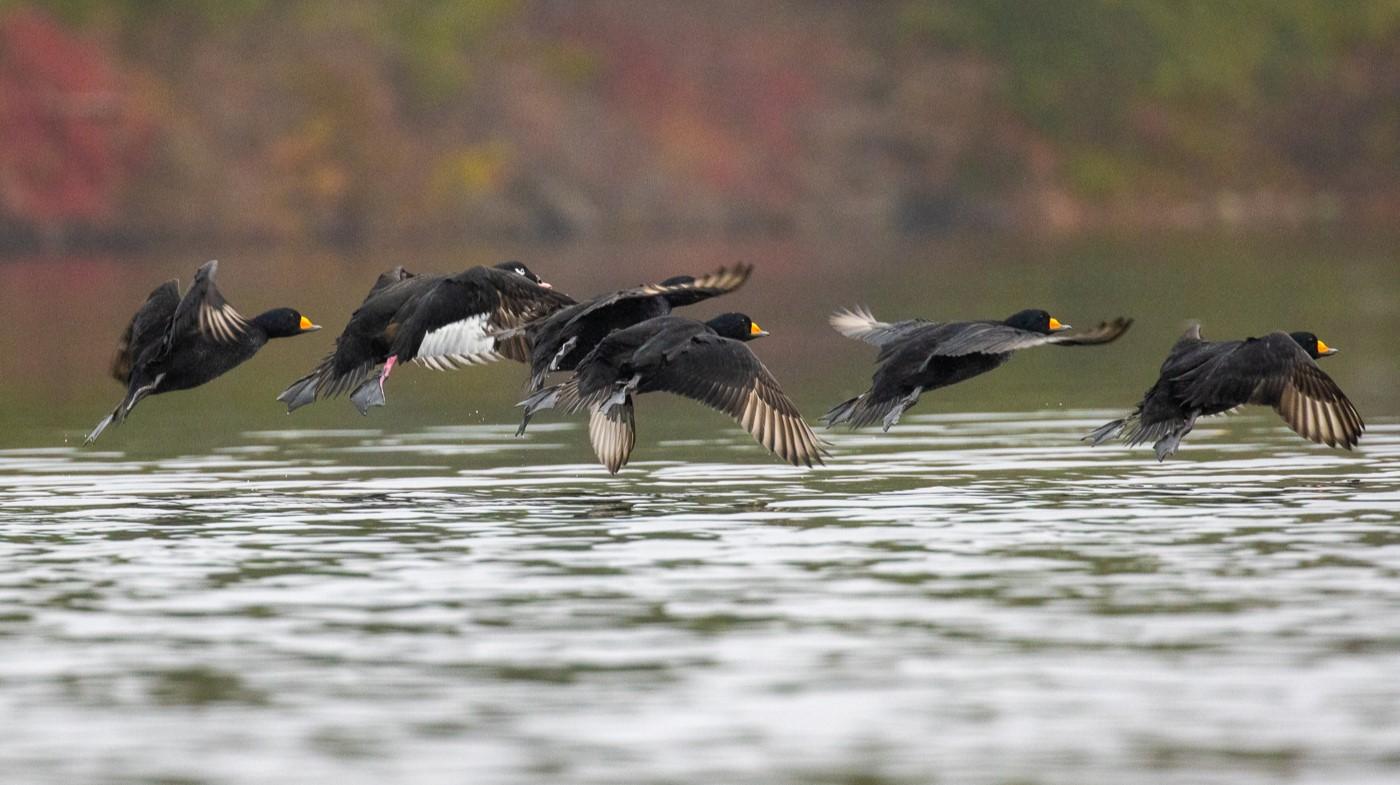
917,355
708,362
439,322
1202,378
560,340
176,343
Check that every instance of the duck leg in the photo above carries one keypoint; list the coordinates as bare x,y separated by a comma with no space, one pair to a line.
101,426
136,396
124,408
544,399
902,404
371,393
1169,444
1104,432
622,393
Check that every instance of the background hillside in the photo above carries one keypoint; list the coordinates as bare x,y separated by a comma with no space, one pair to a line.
351,122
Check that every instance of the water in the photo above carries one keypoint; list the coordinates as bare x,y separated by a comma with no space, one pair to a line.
971,598
219,593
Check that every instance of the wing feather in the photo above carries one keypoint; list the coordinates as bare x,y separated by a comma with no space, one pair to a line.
999,338
205,310
148,327
860,324
613,434
714,284
1275,371
726,376
1315,407
458,345
455,322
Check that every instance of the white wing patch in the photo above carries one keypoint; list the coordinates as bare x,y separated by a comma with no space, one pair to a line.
466,342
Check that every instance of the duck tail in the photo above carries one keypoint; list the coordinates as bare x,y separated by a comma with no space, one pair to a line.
572,400
843,412
861,411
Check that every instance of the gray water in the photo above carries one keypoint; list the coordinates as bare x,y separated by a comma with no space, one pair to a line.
220,593
971,598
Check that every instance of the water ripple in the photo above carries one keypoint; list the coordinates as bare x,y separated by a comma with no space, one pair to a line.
969,598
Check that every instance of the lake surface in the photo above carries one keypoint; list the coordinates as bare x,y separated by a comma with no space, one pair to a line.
972,598
220,593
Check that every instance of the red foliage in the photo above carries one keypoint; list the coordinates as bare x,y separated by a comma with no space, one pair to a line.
71,134
721,102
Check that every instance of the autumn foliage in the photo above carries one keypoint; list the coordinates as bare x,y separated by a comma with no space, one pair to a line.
360,121
73,135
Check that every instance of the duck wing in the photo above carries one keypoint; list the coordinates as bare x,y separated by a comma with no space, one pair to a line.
721,281
1275,371
724,375
999,338
148,327
386,279
203,310
455,322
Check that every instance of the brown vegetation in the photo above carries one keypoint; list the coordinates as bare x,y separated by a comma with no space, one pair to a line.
352,121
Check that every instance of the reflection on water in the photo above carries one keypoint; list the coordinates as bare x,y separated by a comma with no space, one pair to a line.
222,593
970,598
63,315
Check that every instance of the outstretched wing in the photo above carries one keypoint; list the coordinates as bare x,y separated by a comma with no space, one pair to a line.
1275,371
999,338
204,308
1105,332
860,324
724,375
454,323
721,281
149,326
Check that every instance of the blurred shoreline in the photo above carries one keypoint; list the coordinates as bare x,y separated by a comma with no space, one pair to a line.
356,124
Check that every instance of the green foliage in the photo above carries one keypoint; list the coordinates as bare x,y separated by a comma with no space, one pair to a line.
125,12
1187,49
432,37
1086,72
429,38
